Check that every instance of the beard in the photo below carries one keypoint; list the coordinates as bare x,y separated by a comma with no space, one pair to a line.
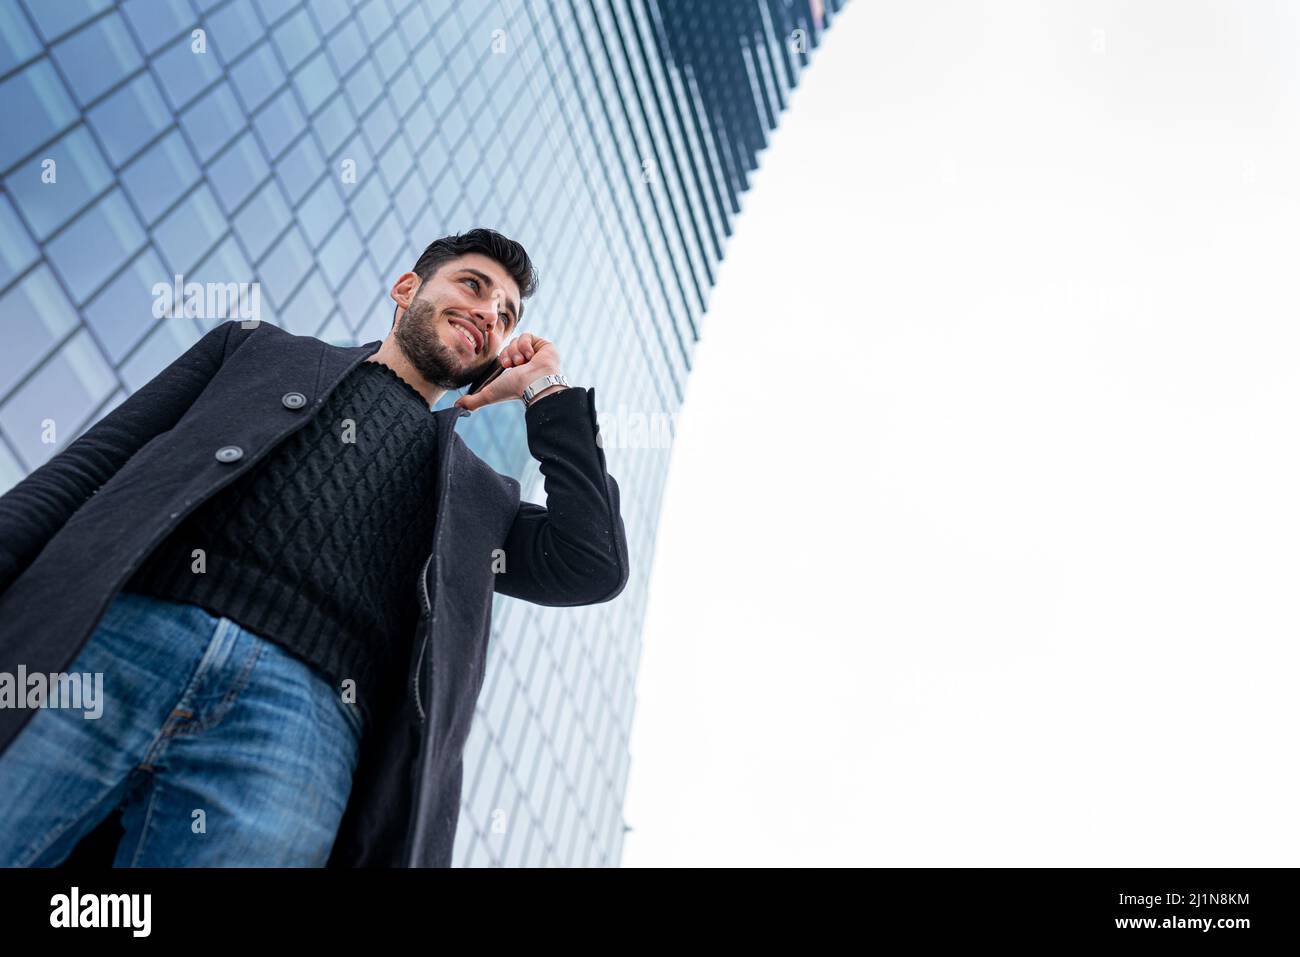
417,337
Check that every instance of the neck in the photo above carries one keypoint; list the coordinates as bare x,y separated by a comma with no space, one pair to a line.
391,355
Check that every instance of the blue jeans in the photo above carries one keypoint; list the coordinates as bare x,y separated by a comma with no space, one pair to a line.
221,749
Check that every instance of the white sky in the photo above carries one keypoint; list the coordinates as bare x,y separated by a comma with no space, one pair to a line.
980,544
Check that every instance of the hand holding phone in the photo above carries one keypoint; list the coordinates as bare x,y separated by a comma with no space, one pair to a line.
494,370
524,359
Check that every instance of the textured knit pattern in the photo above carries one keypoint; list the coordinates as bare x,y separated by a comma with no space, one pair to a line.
319,546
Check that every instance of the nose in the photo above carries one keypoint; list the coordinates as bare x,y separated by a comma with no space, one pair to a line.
485,319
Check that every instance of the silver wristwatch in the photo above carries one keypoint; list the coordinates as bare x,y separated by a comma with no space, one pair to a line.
541,385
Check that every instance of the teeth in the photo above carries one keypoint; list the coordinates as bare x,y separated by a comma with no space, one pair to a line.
468,338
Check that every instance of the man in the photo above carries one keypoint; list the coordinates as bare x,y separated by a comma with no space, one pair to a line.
282,563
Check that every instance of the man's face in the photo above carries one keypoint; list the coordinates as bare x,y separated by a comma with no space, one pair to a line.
458,320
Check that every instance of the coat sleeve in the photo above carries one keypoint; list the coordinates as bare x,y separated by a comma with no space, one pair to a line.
38,506
573,551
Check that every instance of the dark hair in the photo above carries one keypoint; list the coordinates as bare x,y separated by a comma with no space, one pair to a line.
488,242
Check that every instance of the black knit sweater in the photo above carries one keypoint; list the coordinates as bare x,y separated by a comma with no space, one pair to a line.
319,546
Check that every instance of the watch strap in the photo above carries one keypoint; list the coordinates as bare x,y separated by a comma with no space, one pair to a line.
540,385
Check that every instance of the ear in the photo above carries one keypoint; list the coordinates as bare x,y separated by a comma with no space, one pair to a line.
406,288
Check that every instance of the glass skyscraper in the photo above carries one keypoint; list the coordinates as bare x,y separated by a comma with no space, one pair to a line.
315,149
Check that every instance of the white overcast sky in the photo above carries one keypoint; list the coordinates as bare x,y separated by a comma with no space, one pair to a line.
981,540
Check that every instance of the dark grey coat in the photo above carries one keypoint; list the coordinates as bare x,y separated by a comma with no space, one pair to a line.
73,532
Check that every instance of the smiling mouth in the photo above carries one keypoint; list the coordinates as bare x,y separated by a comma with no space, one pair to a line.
465,334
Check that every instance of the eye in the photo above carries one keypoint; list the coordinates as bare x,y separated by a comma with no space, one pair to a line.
474,282
505,320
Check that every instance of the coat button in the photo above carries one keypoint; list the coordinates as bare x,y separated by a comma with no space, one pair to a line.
229,453
293,400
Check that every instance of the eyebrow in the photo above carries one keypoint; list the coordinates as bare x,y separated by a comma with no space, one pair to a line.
514,316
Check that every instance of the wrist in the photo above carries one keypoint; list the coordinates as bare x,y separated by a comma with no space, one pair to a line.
550,388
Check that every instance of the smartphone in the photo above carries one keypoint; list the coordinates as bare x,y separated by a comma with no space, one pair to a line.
494,370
